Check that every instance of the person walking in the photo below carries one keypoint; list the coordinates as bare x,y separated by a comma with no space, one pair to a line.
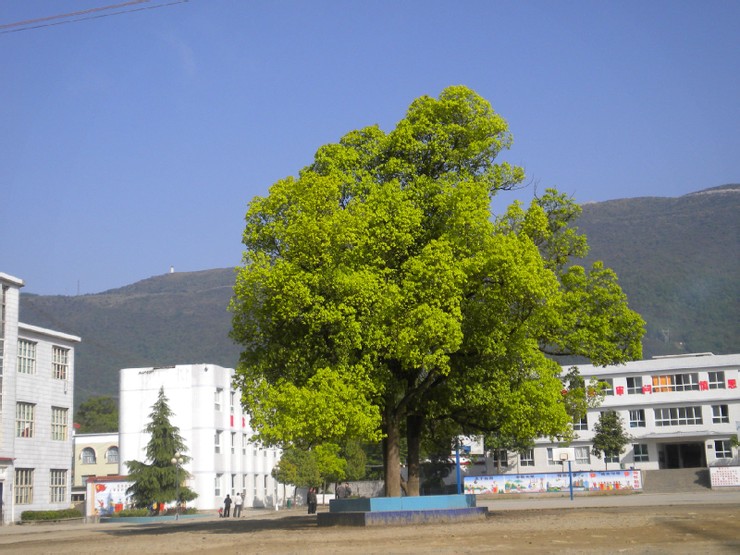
238,501
227,505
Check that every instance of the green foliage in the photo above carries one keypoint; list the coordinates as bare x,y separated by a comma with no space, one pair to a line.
376,290
127,513
297,467
61,514
160,480
356,458
610,436
97,415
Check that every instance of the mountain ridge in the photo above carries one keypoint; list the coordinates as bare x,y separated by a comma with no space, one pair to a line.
676,259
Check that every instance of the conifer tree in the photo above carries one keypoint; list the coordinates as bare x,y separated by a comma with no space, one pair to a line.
610,437
156,480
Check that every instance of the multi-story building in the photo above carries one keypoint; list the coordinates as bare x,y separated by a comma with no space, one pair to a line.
207,410
94,455
680,411
36,404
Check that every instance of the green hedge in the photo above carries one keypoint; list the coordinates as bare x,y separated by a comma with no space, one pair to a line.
50,515
130,512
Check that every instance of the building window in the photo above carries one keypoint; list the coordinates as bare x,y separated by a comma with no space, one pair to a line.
608,385
634,386
678,416
233,442
58,424
59,363
637,418
245,441
24,418
232,396
217,398
58,486
640,451
722,448
581,424
611,458
88,456
720,414
267,478
23,486
550,456
582,455
111,455
716,380
217,485
526,457
217,441
26,357
233,484
676,382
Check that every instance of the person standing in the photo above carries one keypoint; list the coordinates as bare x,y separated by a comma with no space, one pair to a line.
312,500
238,501
227,505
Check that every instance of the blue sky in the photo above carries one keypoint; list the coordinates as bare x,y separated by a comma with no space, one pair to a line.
134,142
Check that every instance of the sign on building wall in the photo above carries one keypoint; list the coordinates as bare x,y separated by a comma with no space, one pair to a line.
724,476
553,482
105,497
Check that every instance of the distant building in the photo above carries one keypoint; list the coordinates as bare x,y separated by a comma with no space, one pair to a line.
208,412
36,404
95,455
681,412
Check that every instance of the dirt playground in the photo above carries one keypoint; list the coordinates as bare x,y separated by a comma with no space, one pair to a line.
700,528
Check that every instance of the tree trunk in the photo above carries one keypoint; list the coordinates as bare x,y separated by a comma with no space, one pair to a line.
414,425
392,454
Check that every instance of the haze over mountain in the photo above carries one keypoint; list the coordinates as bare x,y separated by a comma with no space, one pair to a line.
677,259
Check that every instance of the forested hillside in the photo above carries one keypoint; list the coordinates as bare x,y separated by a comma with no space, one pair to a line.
677,260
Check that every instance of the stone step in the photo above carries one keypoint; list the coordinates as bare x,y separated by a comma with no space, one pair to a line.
672,480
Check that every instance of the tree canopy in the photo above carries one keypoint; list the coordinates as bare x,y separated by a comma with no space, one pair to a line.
97,415
160,480
379,296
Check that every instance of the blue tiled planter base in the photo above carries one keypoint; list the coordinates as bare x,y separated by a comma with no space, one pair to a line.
400,518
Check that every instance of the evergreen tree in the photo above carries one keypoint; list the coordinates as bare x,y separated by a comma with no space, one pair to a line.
610,437
157,481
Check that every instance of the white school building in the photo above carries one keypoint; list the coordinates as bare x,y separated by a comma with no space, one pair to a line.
680,411
208,412
36,404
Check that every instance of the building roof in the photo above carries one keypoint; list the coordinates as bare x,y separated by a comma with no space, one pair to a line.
673,363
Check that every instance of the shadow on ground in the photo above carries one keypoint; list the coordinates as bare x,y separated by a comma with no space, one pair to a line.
215,526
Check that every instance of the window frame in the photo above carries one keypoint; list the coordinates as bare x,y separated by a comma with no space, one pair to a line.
25,420
59,363
643,455
716,379
635,388
720,414
678,416
57,485
722,449
637,418
579,451
59,423
23,486
85,457
26,359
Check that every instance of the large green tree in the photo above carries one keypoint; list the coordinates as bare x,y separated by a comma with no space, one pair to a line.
97,415
159,480
378,294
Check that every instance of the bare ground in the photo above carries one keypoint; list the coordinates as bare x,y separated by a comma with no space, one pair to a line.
701,528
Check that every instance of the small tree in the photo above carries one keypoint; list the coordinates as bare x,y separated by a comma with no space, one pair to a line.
160,480
610,437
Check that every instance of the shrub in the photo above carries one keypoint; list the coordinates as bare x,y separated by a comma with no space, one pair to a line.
131,512
50,515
